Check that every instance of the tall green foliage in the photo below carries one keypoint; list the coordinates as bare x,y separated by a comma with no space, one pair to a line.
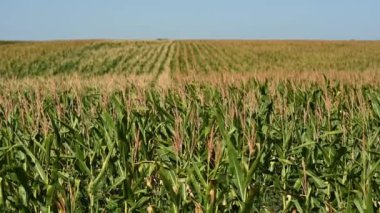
257,147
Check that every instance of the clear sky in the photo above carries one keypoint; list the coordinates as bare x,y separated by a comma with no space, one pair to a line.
194,19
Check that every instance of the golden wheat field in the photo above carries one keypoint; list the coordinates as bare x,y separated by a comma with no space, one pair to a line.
190,126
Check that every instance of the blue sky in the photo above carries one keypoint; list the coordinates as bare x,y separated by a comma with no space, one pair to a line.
195,19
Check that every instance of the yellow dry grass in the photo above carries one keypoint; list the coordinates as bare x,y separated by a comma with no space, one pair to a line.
166,80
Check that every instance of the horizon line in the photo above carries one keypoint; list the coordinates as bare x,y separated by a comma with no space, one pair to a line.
181,39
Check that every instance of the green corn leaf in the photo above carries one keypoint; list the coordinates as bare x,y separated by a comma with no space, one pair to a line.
38,166
94,184
236,169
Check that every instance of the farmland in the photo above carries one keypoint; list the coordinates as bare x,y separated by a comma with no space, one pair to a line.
190,126
153,57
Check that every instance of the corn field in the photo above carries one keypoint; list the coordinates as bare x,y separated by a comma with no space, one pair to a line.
255,145
153,57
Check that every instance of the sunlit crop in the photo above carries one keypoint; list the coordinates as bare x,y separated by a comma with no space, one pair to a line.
264,142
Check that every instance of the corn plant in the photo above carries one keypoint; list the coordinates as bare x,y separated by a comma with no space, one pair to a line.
257,147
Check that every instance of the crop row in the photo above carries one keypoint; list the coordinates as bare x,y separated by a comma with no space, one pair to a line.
256,147
137,57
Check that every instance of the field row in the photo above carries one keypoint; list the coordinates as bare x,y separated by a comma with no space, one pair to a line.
193,149
156,57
